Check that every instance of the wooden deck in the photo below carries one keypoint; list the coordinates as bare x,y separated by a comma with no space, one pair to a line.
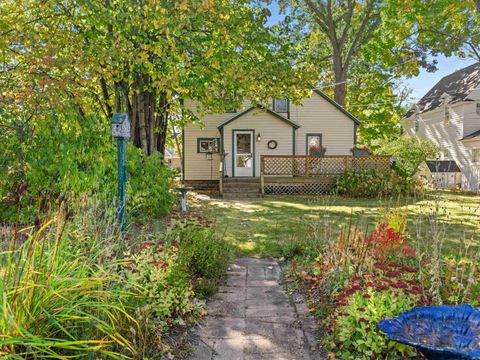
303,174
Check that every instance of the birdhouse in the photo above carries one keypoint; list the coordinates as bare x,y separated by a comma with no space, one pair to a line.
121,126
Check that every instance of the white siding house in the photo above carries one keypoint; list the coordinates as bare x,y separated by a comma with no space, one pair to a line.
281,128
449,115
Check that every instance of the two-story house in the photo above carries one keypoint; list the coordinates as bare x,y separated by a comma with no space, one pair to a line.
241,136
449,115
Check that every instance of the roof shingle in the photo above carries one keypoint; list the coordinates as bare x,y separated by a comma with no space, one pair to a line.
457,86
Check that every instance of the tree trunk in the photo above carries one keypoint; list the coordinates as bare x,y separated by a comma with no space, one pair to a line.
142,134
340,91
148,111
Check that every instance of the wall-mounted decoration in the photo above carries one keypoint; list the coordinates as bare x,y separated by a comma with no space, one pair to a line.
272,144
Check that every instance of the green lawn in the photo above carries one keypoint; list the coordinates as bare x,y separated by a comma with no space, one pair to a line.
263,227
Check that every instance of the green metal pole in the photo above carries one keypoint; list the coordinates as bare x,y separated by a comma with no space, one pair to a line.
122,179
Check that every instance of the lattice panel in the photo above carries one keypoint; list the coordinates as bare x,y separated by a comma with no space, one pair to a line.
298,189
321,165
368,162
287,165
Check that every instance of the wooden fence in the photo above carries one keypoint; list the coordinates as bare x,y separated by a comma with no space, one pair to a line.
290,174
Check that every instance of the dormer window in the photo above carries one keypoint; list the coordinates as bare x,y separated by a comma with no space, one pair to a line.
447,116
280,105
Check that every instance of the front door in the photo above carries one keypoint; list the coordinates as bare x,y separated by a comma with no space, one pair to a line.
243,153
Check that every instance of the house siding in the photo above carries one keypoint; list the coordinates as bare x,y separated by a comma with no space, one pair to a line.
432,127
196,166
471,119
317,115
269,127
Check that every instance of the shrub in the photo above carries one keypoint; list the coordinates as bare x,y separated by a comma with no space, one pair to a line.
204,255
149,185
410,152
354,331
156,279
372,183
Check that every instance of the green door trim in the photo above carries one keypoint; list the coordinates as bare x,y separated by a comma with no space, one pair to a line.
233,149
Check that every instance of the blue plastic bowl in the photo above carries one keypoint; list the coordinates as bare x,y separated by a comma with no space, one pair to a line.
439,332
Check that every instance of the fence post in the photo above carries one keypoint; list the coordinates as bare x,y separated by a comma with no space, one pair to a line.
346,163
262,180
307,165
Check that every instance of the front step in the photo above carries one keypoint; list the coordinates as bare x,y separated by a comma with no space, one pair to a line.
241,188
241,179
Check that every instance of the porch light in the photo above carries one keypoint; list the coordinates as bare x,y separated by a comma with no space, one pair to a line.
259,137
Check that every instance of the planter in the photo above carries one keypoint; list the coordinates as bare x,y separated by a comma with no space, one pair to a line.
439,332
317,153
360,152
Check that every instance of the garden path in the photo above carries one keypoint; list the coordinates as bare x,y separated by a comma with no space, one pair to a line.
252,317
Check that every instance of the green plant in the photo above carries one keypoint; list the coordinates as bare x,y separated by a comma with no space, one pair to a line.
149,185
354,331
156,279
203,254
410,152
57,302
372,183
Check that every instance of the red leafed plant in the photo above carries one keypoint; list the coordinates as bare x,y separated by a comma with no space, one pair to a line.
387,244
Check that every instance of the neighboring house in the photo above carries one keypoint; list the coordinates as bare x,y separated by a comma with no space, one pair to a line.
449,115
173,160
281,128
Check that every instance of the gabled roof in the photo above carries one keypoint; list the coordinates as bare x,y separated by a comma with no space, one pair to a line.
457,86
273,113
337,105
443,166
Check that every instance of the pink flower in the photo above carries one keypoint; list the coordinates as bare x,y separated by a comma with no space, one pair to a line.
361,309
367,296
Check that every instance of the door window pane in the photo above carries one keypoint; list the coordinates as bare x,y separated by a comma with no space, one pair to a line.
244,161
244,143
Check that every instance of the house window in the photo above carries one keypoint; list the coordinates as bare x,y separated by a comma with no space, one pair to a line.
478,107
314,144
417,123
208,145
444,154
280,105
476,155
447,116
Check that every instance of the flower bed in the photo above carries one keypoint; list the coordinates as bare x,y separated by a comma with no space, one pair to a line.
360,278
75,287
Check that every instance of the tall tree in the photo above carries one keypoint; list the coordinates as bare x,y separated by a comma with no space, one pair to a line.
149,55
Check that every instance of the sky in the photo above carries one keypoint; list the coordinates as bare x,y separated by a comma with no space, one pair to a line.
419,84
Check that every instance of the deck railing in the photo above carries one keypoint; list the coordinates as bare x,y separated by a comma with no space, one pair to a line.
315,172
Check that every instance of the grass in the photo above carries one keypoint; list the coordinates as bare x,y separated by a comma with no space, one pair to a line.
263,227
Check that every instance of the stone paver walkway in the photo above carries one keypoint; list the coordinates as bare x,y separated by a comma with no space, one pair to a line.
252,317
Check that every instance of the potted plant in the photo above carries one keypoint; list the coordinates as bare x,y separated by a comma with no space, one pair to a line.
360,150
317,150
